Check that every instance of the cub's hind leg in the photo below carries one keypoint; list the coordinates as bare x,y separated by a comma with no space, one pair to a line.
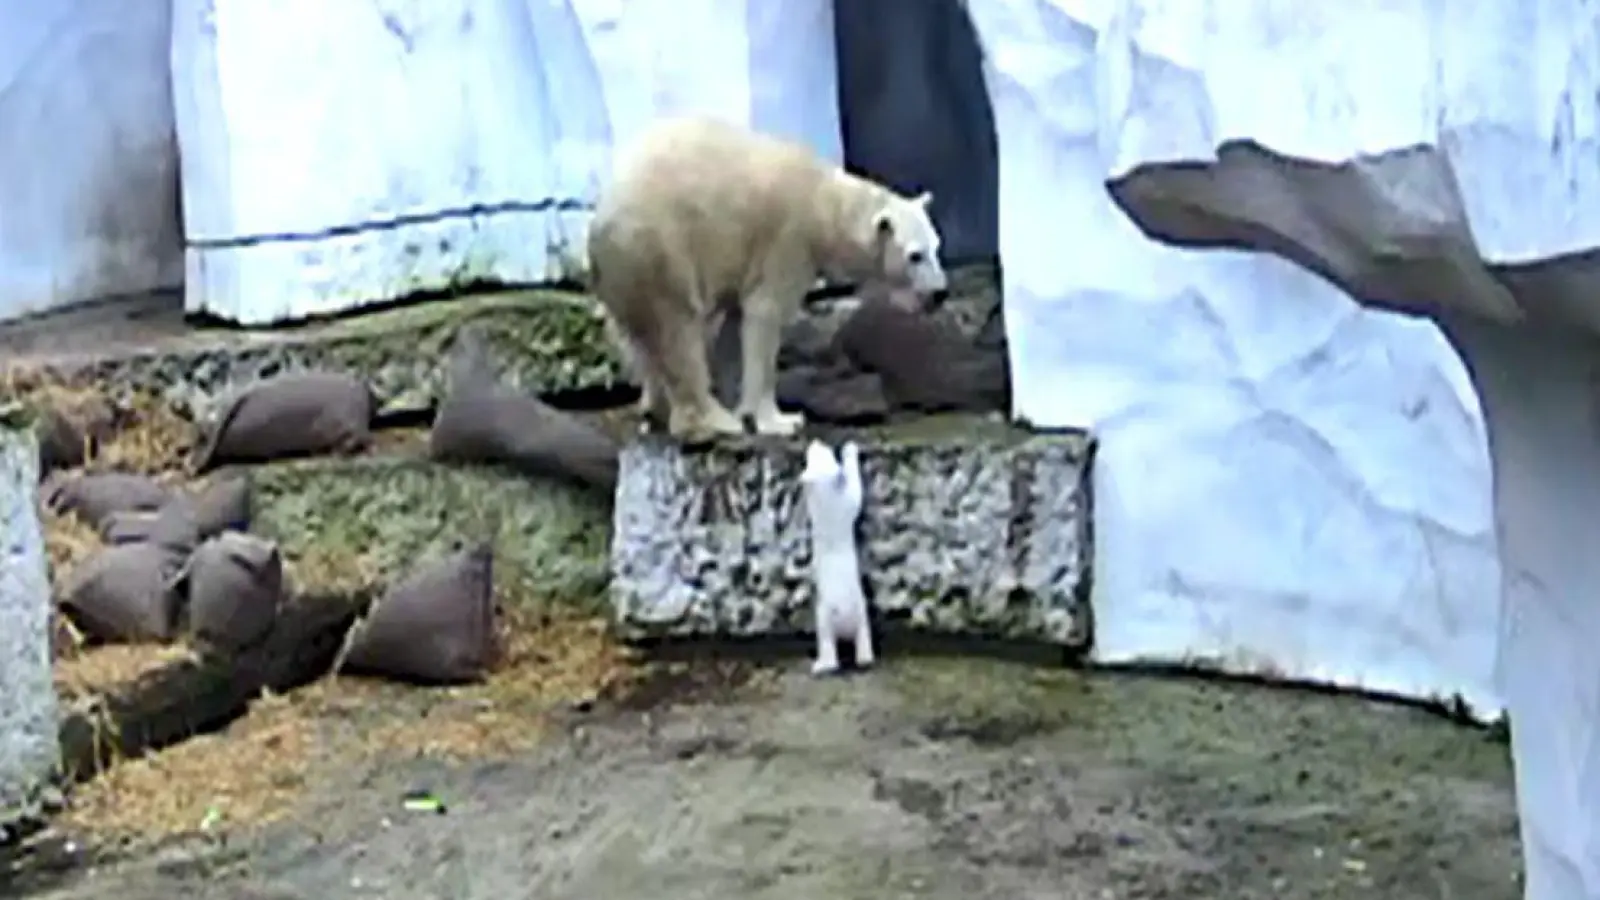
652,405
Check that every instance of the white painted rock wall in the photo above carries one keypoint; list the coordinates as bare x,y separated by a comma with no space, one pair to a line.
412,146
88,172
1288,482
28,746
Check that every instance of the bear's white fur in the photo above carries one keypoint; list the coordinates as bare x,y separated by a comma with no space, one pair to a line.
702,213
833,494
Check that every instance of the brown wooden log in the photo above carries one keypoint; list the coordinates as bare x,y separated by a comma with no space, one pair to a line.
206,692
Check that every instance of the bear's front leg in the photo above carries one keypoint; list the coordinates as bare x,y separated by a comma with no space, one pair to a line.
759,335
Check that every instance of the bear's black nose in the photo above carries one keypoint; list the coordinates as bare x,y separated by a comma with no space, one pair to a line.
934,300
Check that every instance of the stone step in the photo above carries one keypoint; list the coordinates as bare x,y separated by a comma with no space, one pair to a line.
969,526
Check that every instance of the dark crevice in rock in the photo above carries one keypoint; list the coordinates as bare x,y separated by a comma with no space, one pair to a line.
390,223
927,82
402,417
474,287
598,398
893,634
1453,709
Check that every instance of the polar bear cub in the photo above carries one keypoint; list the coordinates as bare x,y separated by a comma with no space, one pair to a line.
832,490
702,213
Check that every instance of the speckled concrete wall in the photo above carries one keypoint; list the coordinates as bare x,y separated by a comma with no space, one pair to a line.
28,750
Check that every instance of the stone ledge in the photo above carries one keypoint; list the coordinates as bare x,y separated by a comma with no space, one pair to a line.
542,341
375,517
969,527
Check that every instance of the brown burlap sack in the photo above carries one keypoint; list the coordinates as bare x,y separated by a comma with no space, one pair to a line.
94,496
926,364
437,626
221,505
481,421
68,436
234,584
128,526
301,413
129,592
837,395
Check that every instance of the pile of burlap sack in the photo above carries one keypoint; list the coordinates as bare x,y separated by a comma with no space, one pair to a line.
883,363
183,563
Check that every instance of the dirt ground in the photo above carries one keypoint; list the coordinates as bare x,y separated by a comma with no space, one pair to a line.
925,778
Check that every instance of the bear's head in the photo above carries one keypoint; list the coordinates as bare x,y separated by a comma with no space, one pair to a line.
906,251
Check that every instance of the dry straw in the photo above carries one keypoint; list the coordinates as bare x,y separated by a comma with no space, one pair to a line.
259,769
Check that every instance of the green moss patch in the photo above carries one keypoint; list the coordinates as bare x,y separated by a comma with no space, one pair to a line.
345,524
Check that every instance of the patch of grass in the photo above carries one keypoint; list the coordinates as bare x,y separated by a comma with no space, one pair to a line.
366,522
332,569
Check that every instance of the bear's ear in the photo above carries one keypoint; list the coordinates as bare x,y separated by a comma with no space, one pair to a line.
923,199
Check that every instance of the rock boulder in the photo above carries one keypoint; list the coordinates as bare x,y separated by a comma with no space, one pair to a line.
969,527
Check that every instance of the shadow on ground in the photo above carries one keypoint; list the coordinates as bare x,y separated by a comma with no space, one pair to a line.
926,778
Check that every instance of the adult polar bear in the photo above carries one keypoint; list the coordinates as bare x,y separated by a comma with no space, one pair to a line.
703,213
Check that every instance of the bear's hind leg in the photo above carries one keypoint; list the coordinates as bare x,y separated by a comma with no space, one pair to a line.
652,405
653,409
